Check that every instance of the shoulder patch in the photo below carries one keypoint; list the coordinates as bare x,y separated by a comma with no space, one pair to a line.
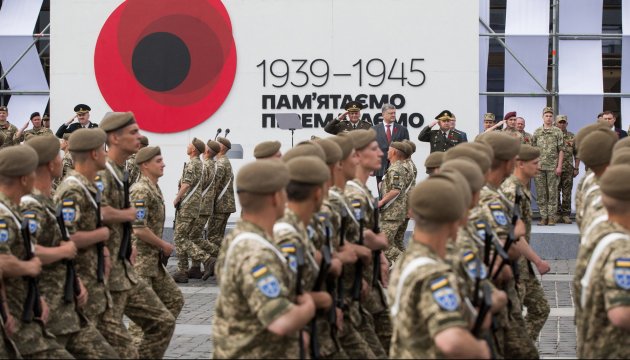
472,264
33,224
68,210
356,206
444,295
98,181
267,283
498,214
622,273
290,252
480,226
4,231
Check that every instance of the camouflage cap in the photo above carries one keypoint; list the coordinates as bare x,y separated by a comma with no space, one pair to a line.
547,109
469,169
436,190
614,182
469,150
18,161
434,160
305,149
587,130
411,144
45,117
262,177
399,145
86,139
528,153
331,150
620,156
144,141
46,146
147,153
345,143
488,117
621,144
561,118
117,120
214,146
362,138
266,149
596,148
308,170
504,146
199,145
225,142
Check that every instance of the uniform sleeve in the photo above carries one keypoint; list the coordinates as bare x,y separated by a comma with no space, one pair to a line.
497,215
617,278
395,179
107,187
70,210
189,176
534,139
139,198
33,214
440,304
560,139
5,235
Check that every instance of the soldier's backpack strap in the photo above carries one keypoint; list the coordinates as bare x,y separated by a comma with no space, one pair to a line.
598,220
245,236
407,270
214,174
225,187
191,192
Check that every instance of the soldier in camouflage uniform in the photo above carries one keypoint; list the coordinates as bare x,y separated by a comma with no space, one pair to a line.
7,130
510,126
66,161
348,121
570,169
58,280
130,165
37,129
17,166
8,349
267,150
393,205
428,312
148,227
258,313
549,140
520,126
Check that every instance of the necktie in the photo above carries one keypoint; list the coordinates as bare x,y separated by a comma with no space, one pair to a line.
389,134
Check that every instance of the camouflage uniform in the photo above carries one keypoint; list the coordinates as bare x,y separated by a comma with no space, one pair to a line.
31,338
582,188
550,143
147,198
70,327
207,206
393,213
424,303
257,287
514,133
224,200
566,179
7,134
67,166
34,132
530,290
134,170
8,349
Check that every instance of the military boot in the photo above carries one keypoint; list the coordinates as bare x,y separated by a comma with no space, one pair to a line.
208,267
566,220
543,221
195,272
551,221
180,277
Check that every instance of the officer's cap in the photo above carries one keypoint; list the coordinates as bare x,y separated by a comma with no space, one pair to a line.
596,148
362,138
308,170
426,197
354,106
266,149
46,146
117,120
528,153
331,150
614,182
199,145
86,139
18,161
445,115
262,177
504,146
82,109
147,153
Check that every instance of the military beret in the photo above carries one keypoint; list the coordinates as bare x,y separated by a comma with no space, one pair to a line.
81,109
411,144
488,116
528,153
362,138
331,150
147,153
34,115
262,177
483,147
308,170
86,139
199,145
504,146
470,151
46,146
426,196
117,120
587,130
305,149
463,186
620,156
214,146
547,110
18,161
434,160
621,144
266,149
509,115
66,136
445,115
144,141
560,118
345,143
225,142
614,182
596,148
469,169
4,108
399,145
354,106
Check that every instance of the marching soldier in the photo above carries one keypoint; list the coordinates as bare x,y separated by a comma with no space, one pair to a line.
267,150
7,130
570,169
131,166
8,349
348,121
444,138
37,130
82,115
433,162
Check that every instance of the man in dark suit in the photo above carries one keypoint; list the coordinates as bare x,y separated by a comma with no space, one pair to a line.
610,118
348,121
386,132
82,115
444,138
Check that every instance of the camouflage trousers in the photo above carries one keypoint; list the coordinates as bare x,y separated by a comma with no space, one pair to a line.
203,242
395,233
142,305
87,343
546,189
186,248
565,187
532,296
216,229
353,343
170,295
367,330
34,342
516,341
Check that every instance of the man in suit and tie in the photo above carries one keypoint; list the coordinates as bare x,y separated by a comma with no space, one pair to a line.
444,138
386,132
82,115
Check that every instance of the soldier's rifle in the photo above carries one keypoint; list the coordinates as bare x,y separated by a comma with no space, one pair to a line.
125,244
358,267
376,254
516,214
339,302
32,304
484,307
71,287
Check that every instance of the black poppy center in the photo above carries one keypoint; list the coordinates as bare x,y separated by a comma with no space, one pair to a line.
161,61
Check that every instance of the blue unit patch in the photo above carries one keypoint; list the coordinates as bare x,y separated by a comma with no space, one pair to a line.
99,183
140,213
444,295
33,225
481,229
499,217
266,282
289,251
4,235
622,273
471,264
68,214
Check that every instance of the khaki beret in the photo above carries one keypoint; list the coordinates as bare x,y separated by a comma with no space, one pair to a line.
225,142
620,156
199,145
463,186
505,147
404,148
587,130
331,150
214,146
411,145
436,190
469,150
47,147
561,118
614,182
308,170
262,177
621,144
147,153
305,149
469,169
66,136
483,147
345,143
488,116
117,120
362,138
434,160
86,139
266,149
18,161
596,148
547,109
144,141
528,153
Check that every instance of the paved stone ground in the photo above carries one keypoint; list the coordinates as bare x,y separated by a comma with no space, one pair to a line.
192,339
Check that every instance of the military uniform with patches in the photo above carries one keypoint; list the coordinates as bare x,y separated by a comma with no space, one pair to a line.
7,134
582,189
565,187
550,143
257,286
206,208
224,200
70,327
394,212
32,132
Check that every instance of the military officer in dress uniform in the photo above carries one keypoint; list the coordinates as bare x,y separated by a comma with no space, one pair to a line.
7,130
82,115
444,138
38,129
348,121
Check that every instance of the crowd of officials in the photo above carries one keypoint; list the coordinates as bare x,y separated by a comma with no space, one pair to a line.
317,265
